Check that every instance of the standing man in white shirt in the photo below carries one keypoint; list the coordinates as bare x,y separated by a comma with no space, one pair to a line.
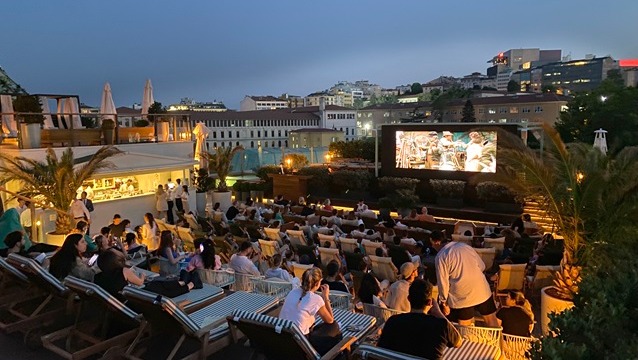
178,196
463,287
79,212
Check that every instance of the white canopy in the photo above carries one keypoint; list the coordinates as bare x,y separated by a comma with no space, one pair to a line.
9,126
72,111
147,98
107,107
201,132
46,111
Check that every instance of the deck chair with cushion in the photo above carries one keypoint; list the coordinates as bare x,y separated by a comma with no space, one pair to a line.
194,225
370,247
341,300
462,238
481,335
186,235
516,347
545,275
510,277
243,282
297,238
299,269
14,284
178,335
223,248
273,235
221,278
269,248
496,243
380,313
274,287
112,326
371,352
54,307
281,339
487,255
462,226
348,244
383,268
323,238
327,255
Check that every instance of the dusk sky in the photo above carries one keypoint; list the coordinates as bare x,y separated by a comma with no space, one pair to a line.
224,50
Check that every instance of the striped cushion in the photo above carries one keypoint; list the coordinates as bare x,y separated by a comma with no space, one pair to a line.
7,268
34,271
361,323
190,327
280,326
371,352
472,351
196,297
85,288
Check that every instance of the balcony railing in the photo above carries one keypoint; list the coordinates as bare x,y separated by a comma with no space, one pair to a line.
62,129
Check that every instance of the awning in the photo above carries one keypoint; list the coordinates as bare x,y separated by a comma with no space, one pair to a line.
138,163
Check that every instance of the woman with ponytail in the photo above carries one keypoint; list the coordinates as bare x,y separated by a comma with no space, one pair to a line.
301,306
516,316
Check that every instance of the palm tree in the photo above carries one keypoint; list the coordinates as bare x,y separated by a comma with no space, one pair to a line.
54,181
220,162
587,193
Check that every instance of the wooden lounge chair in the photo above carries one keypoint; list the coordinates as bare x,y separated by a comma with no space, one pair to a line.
383,268
327,255
299,269
297,237
348,244
279,338
497,243
112,327
14,284
204,330
544,276
53,307
186,236
269,248
273,235
370,247
243,282
487,255
327,239
510,277
341,300
482,335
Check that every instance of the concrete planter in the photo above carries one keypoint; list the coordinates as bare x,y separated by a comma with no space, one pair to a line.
200,203
550,304
54,239
162,131
223,198
30,136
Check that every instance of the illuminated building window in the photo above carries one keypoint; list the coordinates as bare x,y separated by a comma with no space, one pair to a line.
513,110
492,111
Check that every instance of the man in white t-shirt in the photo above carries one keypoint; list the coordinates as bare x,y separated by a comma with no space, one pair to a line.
79,212
398,291
462,286
243,261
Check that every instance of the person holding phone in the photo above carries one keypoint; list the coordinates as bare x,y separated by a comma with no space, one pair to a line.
244,261
115,275
70,260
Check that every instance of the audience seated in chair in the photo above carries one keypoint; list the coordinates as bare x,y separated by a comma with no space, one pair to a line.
398,292
516,316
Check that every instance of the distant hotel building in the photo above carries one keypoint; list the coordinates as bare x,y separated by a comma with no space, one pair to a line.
251,103
187,104
307,138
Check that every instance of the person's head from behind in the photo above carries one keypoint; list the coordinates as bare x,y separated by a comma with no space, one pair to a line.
409,271
396,240
275,261
246,248
362,227
332,269
81,226
413,214
378,252
111,260
102,243
467,233
105,231
208,253
310,281
130,239
117,218
304,259
166,239
527,217
369,288
420,294
126,223
326,244
13,240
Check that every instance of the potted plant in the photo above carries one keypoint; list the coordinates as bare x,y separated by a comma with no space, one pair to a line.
108,130
590,196
497,197
203,184
162,129
29,114
220,162
55,181
449,193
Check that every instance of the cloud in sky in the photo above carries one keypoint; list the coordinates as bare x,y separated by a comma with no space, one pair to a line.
227,49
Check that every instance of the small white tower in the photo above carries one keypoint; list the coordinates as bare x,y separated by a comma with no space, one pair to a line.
600,141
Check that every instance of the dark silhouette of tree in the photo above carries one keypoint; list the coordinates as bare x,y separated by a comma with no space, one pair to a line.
468,112
513,86
416,88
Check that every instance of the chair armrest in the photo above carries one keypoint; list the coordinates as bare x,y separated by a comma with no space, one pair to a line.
344,344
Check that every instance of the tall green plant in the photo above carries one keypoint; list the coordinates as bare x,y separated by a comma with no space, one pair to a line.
55,180
586,193
220,162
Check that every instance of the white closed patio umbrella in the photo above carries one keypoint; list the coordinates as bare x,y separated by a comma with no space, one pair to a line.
201,132
62,124
46,111
147,98
107,107
9,126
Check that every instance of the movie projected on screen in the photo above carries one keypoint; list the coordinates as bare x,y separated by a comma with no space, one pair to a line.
473,151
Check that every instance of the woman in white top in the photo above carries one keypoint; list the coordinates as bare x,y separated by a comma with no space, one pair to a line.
184,197
161,202
301,306
149,232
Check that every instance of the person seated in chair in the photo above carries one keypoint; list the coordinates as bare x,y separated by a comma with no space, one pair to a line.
404,332
516,316
334,278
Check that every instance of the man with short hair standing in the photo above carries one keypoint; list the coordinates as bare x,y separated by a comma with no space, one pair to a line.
79,211
177,195
463,287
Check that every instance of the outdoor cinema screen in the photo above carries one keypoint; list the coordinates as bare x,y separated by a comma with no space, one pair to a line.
444,150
